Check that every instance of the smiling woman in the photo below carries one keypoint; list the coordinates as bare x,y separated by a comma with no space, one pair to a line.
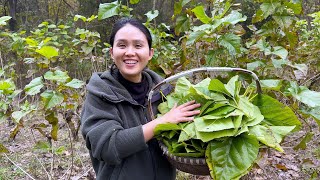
118,130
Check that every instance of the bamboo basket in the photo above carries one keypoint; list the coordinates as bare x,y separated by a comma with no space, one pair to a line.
196,166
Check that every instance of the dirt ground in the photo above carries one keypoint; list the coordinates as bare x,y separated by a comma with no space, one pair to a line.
30,160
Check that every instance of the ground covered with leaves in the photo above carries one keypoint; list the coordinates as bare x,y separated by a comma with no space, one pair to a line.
30,157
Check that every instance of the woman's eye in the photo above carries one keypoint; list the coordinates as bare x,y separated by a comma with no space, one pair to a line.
122,45
138,45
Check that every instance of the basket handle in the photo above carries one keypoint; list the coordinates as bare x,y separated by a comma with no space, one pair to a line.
203,69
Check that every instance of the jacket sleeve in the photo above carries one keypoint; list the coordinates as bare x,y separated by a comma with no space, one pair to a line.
104,135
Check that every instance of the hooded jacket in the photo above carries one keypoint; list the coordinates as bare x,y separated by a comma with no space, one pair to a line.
112,128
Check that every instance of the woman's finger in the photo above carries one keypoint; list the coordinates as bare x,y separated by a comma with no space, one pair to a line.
190,107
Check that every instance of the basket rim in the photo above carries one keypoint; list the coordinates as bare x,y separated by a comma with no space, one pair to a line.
184,160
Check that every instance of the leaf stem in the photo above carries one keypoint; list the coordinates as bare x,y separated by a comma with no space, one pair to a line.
163,96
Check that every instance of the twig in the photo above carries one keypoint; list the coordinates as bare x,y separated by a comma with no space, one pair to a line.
314,78
52,162
84,174
62,177
292,140
35,141
72,153
18,167
42,166
1,61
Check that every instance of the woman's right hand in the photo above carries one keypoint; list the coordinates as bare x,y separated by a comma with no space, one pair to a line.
182,113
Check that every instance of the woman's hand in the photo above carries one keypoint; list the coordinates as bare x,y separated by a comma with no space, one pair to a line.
182,113
177,114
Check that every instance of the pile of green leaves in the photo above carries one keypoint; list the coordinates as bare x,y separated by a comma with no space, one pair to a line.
234,122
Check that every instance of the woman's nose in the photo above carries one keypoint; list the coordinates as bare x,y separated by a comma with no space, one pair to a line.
130,51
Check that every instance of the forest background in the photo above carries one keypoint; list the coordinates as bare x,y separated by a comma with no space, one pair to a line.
49,49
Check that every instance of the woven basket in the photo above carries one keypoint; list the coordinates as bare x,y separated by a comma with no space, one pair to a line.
196,166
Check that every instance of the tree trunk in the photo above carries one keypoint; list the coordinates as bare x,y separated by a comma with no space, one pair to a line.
12,13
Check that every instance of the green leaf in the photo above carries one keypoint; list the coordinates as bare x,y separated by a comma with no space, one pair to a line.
76,17
3,20
182,24
51,98
258,16
265,135
278,63
295,6
151,15
276,113
163,107
91,18
60,150
231,42
217,111
57,75
314,112
269,8
3,149
255,118
217,86
193,96
7,86
214,107
264,46
75,83
232,157
166,127
303,144
194,36
304,95
201,14
280,51
233,86
284,21
271,84
87,49
48,51
43,146
187,132
53,120
233,18
246,107
201,88
208,136
107,10
210,125
31,42
134,1
182,86
18,115
205,106
280,132
254,65
34,86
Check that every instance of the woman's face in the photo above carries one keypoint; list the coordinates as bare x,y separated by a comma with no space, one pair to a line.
131,52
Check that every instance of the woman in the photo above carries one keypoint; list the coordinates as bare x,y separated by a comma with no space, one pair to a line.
115,123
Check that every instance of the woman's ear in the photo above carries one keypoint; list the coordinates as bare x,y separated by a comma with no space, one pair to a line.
111,53
151,52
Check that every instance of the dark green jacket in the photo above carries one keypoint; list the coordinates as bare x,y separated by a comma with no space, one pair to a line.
112,127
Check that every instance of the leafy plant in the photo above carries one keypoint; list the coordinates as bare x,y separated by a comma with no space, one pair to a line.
231,127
